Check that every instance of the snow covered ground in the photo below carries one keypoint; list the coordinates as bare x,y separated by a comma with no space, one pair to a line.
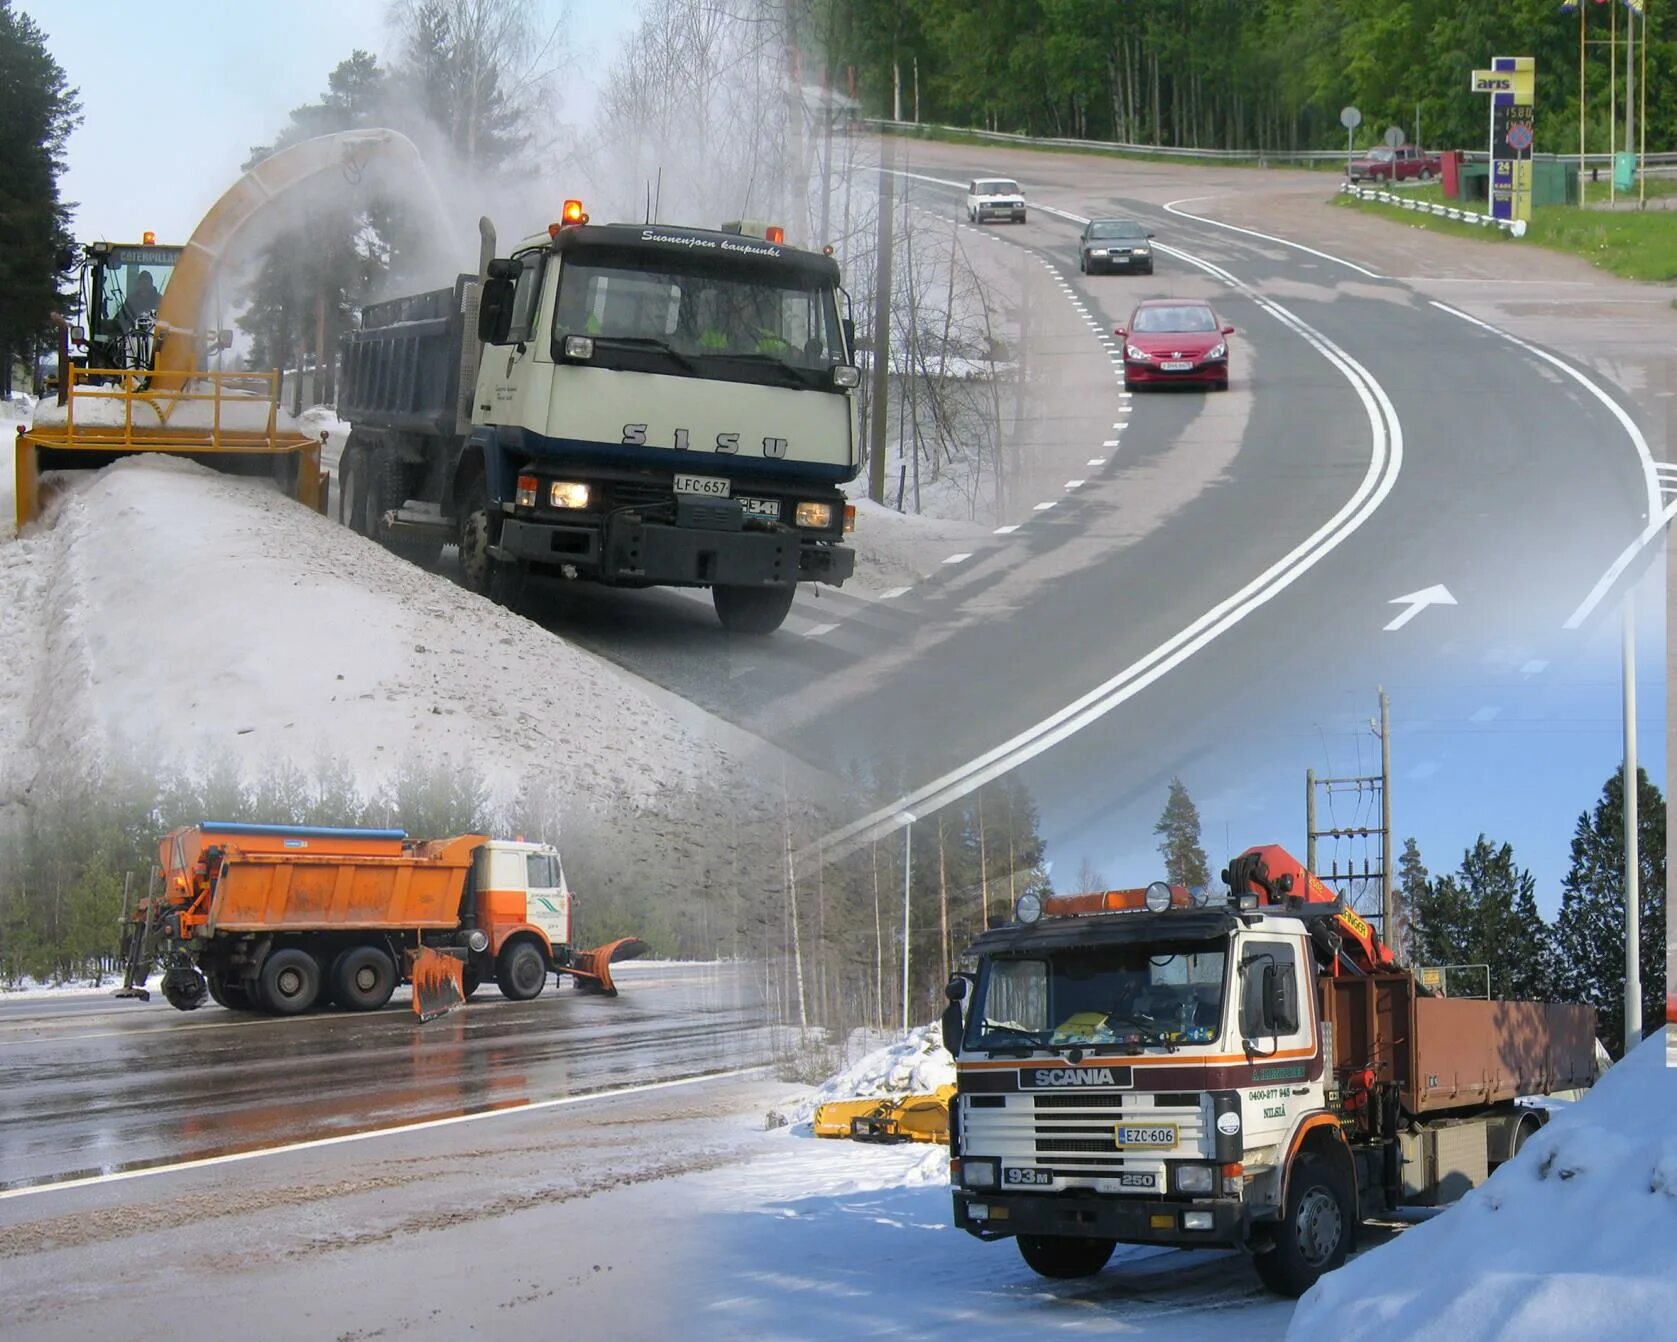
1576,1238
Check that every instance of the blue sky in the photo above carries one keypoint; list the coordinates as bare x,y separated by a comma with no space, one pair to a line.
175,92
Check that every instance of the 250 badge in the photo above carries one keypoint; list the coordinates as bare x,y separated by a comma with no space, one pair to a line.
635,435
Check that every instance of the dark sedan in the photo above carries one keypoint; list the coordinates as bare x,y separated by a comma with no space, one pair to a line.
1115,244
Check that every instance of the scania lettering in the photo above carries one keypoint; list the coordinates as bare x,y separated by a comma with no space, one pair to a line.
1282,1078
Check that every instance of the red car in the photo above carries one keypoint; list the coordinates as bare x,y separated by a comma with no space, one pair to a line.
1175,340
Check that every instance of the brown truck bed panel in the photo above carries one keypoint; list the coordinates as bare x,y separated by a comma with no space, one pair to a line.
1456,1053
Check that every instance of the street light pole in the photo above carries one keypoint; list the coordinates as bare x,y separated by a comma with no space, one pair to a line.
908,857
1633,920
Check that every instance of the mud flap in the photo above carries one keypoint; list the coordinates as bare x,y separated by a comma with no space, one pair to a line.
438,984
592,969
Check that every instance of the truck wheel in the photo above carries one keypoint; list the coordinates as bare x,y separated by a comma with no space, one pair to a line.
479,530
520,971
289,983
1315,1235
363,977
753,610
1064,1257
229,992
352,487
388,488
470,982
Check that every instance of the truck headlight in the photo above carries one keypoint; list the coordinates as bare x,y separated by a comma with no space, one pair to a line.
817,515
978,1173
568,494
847,375
1196,1179
1198,1221
579,347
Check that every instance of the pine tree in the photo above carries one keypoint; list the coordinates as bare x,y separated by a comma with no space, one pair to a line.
1486,914
1179,828
1590,930
1412,887
38,110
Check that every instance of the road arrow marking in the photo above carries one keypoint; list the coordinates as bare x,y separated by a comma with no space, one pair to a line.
1438,595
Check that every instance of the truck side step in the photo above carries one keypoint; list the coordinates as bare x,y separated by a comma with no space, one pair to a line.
415,521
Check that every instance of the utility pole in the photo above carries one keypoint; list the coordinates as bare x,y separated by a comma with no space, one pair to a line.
881,326
1366,786
908,856
1633,894
1388,914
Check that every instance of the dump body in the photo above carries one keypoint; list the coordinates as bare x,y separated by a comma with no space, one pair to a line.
401,369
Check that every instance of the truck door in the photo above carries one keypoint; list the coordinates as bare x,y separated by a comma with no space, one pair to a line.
1277,1021
547,903
510,387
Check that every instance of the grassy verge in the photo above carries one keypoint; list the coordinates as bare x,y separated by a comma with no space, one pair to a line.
1629,243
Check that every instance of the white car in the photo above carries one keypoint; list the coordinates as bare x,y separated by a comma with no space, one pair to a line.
995,198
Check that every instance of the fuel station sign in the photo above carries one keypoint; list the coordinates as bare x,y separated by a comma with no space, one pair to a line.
1511,82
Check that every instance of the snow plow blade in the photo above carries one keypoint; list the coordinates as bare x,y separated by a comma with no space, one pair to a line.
228,421
592,969
438,984
888,1118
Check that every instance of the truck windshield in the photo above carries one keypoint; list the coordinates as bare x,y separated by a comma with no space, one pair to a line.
697,318
1156,993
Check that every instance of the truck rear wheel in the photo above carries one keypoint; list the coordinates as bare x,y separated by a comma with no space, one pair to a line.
1315,1235
387,488
479,530
1064,1257
520,971
363,977
753,610
289,983
228,992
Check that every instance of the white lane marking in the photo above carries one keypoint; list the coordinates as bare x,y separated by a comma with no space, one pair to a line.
1042,507
1170,208
1074,484
891,594
956,559
1658,513
1384,464
1007,530
1110,442
819,630
1436,595
205,1162
1097,461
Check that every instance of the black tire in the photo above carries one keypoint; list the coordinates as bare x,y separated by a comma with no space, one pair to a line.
1129,385
1083,263
1149,269
363,977
470,982
229,992
520,972
352,487
753,610
1065,1257
1314,1236
1426,174
289,983
480,529
389,486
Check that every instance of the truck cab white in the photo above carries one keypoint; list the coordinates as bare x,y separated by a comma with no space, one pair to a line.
995,198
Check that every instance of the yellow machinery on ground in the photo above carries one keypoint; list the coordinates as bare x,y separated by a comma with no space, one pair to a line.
888,1118
145,385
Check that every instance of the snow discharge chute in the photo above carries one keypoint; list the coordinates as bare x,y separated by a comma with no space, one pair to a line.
161,396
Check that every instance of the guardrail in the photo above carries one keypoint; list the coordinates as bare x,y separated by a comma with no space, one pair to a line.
1665,159
1513,227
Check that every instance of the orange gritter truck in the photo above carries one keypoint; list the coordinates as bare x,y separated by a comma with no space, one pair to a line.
281,918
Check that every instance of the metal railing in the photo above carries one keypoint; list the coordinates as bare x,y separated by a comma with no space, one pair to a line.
168,413
1513,227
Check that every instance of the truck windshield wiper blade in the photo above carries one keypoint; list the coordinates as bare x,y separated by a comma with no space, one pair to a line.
1028,1039
652,343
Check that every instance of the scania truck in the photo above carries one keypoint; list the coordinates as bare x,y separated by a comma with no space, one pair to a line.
628,404
1255,1072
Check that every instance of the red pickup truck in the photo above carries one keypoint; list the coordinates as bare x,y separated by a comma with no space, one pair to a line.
1400,164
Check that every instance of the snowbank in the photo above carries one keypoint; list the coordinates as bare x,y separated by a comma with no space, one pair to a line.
1573,1239
915,1063
900,549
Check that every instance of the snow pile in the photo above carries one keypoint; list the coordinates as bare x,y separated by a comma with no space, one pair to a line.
202,406
915,1063
1573,1239
901,549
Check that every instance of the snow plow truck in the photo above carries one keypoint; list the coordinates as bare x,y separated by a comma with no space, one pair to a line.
622,404
282,918
1149,1066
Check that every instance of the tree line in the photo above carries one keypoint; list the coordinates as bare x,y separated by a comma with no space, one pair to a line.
1266,75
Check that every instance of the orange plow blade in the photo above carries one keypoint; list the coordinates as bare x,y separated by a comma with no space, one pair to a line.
592,969
438,984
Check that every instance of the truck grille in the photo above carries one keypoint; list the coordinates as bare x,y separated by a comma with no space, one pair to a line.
1072,1137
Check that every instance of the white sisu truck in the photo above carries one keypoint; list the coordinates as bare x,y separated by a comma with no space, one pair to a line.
631,404
1149,1067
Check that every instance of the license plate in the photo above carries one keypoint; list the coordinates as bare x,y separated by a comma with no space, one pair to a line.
1176,365
1014,1175
769,508
717,487
1152,1136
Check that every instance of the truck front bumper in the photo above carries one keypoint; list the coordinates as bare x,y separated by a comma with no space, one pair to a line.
1125,1219
629,550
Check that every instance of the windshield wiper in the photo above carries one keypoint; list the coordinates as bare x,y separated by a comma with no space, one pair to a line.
652,343
1033,1036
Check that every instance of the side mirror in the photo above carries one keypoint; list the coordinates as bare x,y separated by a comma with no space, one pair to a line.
223,340
1120,330
849,334
1150,233
955,991
494,311
1228,330
502,269
1281,1008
